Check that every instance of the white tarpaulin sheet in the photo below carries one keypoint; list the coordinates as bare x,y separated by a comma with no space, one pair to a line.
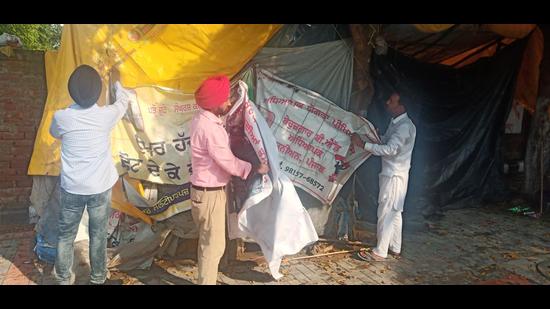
326,68
272,214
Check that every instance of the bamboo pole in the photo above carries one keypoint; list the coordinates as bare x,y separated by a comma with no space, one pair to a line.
323,254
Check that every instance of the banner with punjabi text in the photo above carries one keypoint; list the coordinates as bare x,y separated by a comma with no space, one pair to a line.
313,135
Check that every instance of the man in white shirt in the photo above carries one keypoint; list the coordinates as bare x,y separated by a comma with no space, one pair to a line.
396,151
87,169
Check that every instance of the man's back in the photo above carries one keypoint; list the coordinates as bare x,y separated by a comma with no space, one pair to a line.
86,163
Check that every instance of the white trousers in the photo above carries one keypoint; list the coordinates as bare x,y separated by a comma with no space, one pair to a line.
390,206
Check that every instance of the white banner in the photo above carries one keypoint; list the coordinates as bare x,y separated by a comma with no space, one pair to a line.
313,136
270,213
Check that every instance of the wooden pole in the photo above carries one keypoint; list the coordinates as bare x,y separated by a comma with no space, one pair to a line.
362,52
541,169
348,242
323,254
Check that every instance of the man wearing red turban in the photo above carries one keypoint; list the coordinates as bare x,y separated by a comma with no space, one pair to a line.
213,164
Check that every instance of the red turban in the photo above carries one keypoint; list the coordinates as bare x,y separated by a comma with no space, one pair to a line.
213,92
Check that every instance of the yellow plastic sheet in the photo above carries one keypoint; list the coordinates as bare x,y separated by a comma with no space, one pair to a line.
432,28
121,203
174,56
515,31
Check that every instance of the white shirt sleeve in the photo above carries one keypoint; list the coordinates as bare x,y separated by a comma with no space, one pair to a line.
119,108
384,138
393,146
55,130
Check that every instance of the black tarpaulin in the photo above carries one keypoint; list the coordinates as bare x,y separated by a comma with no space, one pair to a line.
459,115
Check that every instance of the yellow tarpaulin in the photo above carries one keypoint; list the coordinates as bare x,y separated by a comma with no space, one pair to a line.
527,84
515,31
121,203
174,56
432,28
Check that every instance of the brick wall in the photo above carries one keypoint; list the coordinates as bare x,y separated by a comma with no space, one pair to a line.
22,98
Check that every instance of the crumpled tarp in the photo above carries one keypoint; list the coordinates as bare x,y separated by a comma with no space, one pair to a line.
296,35
8,42
326,68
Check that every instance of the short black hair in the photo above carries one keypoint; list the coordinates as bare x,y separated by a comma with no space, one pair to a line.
401,101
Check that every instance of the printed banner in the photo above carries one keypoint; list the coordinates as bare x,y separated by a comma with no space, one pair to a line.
313,136
152,143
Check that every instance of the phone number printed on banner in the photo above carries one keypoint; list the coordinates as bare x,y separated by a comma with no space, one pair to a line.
308,179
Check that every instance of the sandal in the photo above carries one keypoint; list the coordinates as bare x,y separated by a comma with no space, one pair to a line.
369,256
395,255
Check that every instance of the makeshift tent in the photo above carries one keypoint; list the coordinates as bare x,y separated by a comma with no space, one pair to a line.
175,56
459,115
319,58
460,45
453,45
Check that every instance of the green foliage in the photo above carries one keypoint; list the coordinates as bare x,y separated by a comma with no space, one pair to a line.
35,36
